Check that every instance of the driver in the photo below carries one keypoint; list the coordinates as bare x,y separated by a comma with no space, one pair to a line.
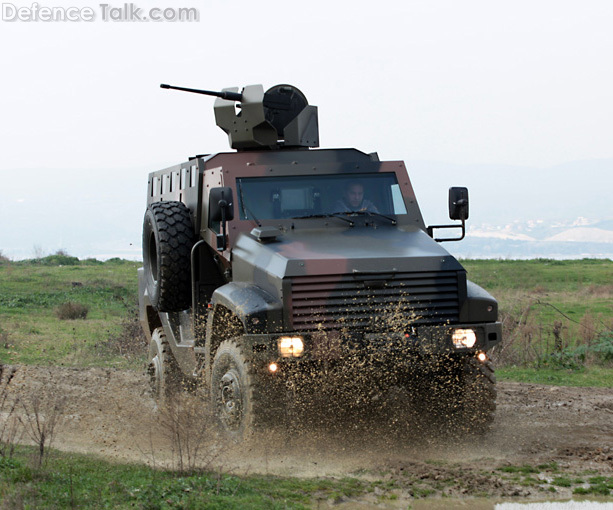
353,200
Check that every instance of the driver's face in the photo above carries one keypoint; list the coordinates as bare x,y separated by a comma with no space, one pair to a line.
354,195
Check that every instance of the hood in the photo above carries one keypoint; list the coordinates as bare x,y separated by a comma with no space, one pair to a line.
308,252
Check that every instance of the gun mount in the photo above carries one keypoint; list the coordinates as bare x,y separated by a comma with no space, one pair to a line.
279,117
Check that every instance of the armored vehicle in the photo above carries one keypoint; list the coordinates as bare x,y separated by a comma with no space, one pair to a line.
279,262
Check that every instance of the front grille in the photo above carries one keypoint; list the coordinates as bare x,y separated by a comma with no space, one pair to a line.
375,302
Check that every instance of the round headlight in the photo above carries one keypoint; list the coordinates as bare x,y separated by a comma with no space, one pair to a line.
291,346
464,338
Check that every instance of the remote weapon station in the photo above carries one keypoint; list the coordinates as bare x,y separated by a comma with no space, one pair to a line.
270,270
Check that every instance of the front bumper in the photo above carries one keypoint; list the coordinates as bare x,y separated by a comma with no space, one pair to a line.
419,340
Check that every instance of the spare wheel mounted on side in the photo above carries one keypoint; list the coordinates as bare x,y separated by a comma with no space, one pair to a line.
168,237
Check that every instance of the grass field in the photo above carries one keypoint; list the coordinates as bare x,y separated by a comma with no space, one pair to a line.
31,293
556,315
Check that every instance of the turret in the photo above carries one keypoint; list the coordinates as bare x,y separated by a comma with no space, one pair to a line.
254,119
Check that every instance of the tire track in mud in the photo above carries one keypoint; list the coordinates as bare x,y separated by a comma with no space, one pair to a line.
111,413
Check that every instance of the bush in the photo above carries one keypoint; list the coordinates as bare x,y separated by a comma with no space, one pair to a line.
601,349
59,260
71,311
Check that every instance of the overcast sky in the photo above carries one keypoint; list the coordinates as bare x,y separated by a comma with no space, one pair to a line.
525,83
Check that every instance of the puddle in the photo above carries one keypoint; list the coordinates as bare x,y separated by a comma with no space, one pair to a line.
556,505
489,505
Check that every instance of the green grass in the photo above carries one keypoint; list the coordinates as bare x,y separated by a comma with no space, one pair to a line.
72,480
556,315
573,287
536,274
68,480
525,476
586,377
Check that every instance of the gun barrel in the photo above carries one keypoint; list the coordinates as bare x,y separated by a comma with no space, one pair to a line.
232,96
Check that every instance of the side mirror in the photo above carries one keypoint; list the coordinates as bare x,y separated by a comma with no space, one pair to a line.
458,203
221,208
221,204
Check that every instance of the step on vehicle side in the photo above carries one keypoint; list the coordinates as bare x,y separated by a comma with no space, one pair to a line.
277,261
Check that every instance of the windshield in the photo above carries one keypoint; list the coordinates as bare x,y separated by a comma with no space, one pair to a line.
294,196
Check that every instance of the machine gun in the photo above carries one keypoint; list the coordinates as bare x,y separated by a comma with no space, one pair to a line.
279,117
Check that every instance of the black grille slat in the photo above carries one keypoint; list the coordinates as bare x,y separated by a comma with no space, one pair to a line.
383,296
365,301
386,291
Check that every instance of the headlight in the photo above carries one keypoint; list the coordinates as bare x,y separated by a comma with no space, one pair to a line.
464,338
291,346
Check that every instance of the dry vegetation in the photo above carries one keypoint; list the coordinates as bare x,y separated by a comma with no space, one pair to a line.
71,311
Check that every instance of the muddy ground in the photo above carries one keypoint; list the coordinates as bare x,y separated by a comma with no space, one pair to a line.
111,413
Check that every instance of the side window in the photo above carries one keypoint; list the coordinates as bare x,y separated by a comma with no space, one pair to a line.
398,202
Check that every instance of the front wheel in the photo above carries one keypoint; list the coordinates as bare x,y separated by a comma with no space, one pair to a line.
479,395
236,393
457,395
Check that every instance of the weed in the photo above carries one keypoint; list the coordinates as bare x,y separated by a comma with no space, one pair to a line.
421,492
71,311
10,433
550,466
561,481
41,417
186,424
598,489
525,469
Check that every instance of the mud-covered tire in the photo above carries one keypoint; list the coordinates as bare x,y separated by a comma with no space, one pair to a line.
457,396
237,393
478,408
164,373
168,237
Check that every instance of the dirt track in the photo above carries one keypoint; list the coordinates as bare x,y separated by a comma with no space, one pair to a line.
111,413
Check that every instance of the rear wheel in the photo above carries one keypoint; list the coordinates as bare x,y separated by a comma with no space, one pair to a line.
164,373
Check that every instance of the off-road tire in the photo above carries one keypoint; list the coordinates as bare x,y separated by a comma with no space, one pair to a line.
164,372
457,396
478,408
238,397
168,237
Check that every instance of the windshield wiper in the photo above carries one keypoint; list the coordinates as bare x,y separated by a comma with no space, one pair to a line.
245,206
331,215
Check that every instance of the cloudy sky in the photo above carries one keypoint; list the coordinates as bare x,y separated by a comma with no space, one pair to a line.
471,83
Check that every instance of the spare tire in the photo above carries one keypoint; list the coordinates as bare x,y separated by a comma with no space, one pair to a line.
168,237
